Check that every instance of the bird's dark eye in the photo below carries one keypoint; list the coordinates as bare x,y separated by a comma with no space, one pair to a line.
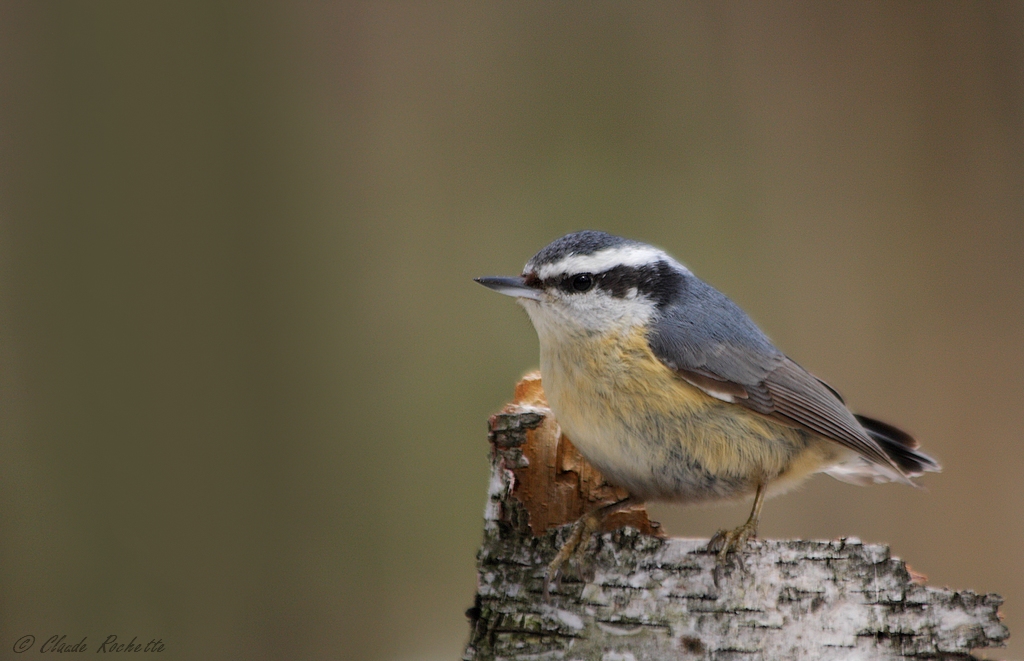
582,282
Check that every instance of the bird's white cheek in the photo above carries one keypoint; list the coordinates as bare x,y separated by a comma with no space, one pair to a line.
550,321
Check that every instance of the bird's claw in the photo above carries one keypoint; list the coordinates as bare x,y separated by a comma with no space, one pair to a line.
730,541
575,547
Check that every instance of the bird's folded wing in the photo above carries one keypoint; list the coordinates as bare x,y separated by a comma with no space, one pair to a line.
713,345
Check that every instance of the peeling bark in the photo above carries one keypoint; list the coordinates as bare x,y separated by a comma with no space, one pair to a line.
640,596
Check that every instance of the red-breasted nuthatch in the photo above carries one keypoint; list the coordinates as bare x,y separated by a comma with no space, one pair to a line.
673,393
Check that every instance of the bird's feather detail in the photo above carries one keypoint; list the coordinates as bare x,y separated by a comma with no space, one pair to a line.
713,345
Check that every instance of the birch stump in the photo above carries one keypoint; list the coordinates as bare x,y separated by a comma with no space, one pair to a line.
641,596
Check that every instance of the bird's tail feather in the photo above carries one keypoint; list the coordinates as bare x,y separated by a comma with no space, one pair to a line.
900,446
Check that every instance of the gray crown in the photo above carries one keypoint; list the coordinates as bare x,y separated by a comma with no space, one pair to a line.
584,242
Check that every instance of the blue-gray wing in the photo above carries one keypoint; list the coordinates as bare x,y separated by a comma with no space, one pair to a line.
713,345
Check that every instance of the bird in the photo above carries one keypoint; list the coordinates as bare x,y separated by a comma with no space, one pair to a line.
674,394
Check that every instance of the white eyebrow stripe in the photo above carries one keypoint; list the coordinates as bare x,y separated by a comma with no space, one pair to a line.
602,260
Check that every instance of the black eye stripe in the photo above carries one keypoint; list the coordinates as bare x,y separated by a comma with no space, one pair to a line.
659,282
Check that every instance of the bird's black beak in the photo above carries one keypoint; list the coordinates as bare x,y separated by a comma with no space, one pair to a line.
514,286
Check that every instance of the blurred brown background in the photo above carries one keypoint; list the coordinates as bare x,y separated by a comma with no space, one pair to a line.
244,370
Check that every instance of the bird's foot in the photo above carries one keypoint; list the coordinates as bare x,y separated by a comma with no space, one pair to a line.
575,547
731,541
